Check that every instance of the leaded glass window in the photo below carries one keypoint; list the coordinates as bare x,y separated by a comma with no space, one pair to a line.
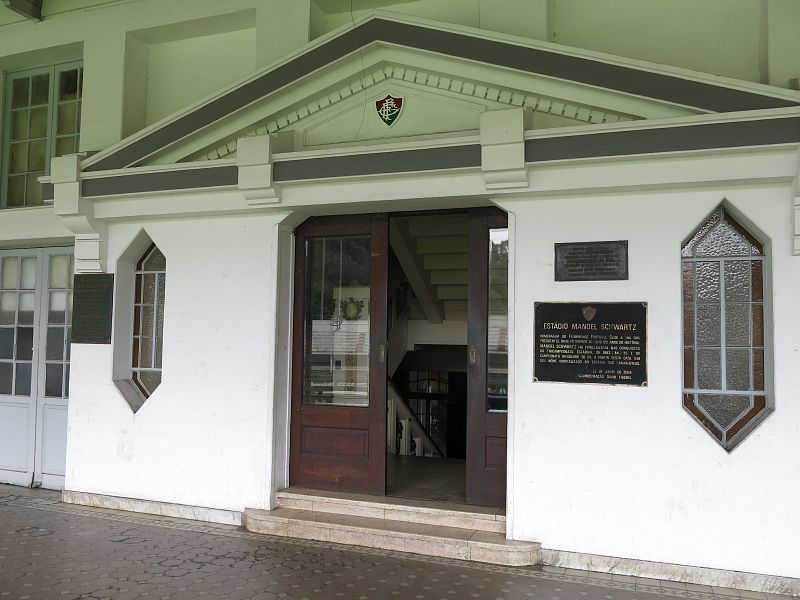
148,320
724,364
41,120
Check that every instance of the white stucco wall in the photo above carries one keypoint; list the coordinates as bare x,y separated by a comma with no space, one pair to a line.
203,438
627,472
184,71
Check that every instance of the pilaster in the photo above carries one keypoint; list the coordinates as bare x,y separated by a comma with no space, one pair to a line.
77,214
502,136
254,159
103,89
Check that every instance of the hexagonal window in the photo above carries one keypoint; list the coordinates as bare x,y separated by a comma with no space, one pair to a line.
725,346
148,320
138,339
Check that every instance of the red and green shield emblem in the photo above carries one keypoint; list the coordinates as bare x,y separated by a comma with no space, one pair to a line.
389,109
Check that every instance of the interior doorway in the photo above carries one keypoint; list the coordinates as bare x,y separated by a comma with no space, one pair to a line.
400,355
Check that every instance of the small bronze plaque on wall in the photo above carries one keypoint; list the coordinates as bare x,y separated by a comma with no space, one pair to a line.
591,342
592,261
92,308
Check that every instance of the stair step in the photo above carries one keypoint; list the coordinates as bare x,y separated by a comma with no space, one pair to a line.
451,292
455,305
426,512
446,262
443,244
438,225
455,315
389,534
457,277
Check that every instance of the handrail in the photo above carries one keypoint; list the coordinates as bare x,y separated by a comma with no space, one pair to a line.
409,414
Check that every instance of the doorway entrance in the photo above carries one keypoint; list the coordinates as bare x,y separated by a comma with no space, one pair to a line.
35,311
400,367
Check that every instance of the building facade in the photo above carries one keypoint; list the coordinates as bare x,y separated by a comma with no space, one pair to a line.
344,250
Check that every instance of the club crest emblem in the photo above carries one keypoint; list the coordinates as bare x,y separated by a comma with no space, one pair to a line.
389,109
589,312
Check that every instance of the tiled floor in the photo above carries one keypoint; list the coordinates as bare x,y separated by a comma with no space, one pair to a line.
442,479
49,550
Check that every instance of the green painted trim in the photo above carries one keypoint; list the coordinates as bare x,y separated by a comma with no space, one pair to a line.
681,138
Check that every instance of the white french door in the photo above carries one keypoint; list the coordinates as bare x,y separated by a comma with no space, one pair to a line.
35,314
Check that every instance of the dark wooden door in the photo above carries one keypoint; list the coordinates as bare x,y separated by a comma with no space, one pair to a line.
338,420
487,356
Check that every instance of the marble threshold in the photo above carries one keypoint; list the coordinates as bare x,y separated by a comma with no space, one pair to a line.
392,534
426,512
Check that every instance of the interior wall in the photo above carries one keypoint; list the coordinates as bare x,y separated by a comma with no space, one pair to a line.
203,437
184,71
626,471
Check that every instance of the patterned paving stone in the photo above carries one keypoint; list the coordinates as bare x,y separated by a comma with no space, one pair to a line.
49,550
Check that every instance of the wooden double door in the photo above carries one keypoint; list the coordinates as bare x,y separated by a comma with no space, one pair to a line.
339,374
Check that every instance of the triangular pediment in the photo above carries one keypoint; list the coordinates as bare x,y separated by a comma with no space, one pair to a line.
325,95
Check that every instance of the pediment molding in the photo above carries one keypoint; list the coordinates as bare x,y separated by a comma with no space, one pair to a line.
456,87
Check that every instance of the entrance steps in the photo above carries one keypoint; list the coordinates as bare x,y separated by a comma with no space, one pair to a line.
422,527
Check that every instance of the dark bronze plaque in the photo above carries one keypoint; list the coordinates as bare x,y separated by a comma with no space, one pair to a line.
592,261
92,309
591,342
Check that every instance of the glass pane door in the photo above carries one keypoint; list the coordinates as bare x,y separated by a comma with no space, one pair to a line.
19,318
17,301
35,312
338,419
497,314
59,315
337,323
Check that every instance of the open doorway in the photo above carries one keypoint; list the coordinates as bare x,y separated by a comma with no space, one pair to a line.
447,336
400,355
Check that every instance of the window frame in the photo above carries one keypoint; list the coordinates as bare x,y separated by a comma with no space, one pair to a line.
54,71
135,348
747,421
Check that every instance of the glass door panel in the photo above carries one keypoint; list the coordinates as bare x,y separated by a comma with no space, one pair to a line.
497,309
18,281
59,316
337,321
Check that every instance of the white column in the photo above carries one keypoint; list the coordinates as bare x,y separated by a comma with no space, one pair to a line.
281,27
103,78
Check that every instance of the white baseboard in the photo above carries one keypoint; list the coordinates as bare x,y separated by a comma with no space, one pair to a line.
756,582
153,507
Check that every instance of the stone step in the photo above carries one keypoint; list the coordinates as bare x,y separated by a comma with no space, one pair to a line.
388,534
426,512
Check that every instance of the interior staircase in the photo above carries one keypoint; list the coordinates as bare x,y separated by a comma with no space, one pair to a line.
434,254
416,526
